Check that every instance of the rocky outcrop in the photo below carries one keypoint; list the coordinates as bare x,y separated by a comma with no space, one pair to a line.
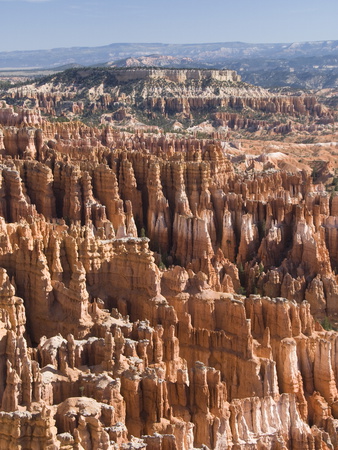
151,295
178,76
129,95
10,117
191,210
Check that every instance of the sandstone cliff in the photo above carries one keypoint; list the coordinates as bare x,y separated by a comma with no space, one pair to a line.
146,97
154,296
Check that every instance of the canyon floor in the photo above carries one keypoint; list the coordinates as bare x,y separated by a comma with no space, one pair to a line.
168,263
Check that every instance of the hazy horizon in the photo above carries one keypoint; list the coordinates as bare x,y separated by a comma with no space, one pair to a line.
165,43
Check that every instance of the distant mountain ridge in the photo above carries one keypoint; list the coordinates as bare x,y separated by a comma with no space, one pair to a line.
208,52
299,65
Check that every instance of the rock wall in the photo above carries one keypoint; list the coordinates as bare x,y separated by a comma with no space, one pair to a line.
154,97
153,296
178,76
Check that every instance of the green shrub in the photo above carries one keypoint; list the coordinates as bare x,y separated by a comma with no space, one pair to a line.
326,324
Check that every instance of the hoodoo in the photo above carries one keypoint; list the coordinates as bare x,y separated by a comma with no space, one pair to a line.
158,290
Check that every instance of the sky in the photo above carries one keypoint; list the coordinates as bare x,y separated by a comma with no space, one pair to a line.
47,24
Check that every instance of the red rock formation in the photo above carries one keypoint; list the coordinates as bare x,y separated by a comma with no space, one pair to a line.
100,347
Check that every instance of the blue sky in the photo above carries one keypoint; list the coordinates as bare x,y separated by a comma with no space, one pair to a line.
46,24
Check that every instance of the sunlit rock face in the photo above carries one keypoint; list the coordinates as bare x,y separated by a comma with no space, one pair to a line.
154,296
